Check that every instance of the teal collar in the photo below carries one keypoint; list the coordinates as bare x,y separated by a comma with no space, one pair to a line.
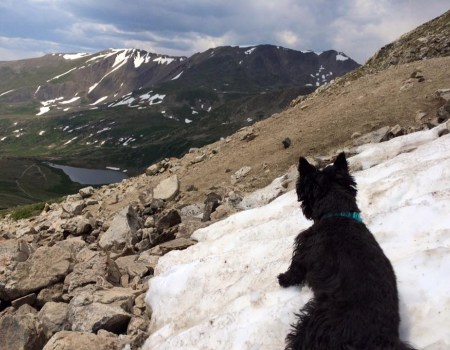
345,214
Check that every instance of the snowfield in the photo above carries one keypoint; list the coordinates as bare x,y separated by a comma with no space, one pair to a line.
222,293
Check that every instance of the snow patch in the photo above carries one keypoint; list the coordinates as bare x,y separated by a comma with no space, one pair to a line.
69,101
43,110
7,92
164,60
176,77
249,52
340,57
99,100
41,132
187,121
59,76
112,168
71,140
74,56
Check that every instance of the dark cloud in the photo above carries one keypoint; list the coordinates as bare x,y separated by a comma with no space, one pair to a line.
176,27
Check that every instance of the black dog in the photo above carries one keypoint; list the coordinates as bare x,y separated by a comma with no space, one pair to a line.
355,304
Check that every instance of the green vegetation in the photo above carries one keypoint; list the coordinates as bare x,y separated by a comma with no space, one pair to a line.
28,211
196,94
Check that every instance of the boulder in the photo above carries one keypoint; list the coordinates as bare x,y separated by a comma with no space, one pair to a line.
73,208
149,222
83,340
86,192
167,189
168,220
153,169
443,94
90,311
443,113
419,117
372,137
93,268
128,265
188,227
192,210
46,266
199,159
176,244
26,300
52,293
14,250
22,331
55,317
122,231
238,175
211,203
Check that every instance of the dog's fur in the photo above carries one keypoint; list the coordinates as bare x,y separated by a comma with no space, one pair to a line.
355,304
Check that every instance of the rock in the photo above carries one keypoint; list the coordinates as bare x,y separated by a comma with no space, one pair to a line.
122,231
397,130
416,74
421,79
199,159
131,266
443,113
153,169
46,266
26,300
419,117
91,202
355,135
22,330
86,192
14,250
143,245
222,211
52,293
140,301
168,220
194,150
192,210
93,268
149,222
190,188
90,311
167,189
176,244
443,94
238,175
373,137
25,231
211,203
187,228
287,142
55,317
73,208
82,340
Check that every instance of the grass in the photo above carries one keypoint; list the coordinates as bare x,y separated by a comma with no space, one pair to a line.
28,211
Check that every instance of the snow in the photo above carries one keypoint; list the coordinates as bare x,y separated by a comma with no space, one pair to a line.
176,77
37,90
187,121
75,56
194,112
3,138
163,60
49,102
138,60
222,293
7,92
66,109
41,132
71,140
43,110
69,101
59,76
127,101
99,100
340,57
112,168
249,120
209,109
104,129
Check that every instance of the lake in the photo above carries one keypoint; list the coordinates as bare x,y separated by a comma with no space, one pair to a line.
90,176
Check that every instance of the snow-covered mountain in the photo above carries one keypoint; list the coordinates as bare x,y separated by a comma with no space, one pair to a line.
222,293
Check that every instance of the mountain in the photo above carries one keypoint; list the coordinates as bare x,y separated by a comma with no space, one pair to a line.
128,108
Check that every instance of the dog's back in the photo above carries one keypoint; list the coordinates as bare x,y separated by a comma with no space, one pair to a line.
355,304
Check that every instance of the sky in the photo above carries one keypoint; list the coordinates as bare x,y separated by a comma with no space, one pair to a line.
32,28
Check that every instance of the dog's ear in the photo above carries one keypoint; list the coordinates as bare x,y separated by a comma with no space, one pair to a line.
341,162
304,168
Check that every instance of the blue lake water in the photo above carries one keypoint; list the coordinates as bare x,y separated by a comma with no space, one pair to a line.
91,176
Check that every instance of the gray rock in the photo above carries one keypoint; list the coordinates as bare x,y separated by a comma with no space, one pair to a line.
419,117
443,113
149,222
192,210
74,208
22,331
176,244
153,169
122,231
90,311
238,175
188,227
55,317
199,159
129,265
168,220
287,142
14,250
443,94
211,203
167,189
46,266
26,300
372,137
52,293
82,340
93,268
86,192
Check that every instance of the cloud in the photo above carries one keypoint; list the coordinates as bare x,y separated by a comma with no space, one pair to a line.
356,27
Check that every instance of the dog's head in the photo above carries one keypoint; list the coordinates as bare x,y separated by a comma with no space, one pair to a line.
314,184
